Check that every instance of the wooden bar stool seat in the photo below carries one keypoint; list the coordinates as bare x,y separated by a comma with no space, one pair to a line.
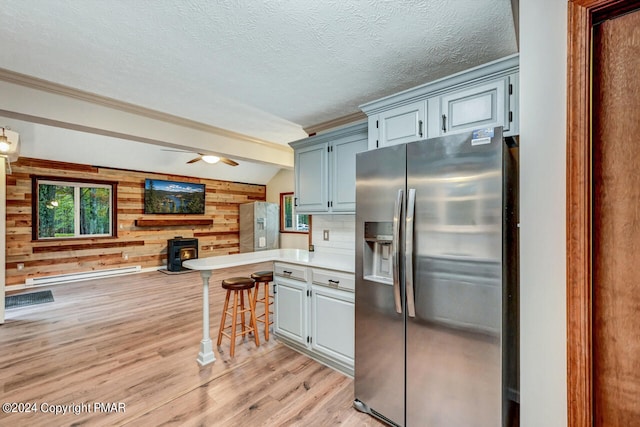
238,286
263,278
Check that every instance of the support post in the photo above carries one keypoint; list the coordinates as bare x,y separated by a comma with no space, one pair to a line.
206,354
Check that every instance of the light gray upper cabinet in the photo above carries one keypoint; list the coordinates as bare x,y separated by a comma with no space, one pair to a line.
325,170
311,178
403,124
484,96
343,170
479,106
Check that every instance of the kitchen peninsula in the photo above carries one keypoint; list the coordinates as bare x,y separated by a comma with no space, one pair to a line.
313,295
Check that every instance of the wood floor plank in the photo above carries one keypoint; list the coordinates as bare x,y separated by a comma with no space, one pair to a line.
134,340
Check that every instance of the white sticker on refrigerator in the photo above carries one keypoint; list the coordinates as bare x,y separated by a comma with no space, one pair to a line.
482,133
480,141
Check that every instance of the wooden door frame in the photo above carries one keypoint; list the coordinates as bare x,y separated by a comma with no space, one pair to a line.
582,14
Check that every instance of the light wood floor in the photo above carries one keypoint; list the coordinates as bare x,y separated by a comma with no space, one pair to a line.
134,340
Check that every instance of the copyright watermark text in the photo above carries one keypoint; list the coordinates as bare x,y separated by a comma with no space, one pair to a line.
69,408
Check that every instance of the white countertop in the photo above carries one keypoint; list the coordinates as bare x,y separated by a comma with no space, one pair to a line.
339,262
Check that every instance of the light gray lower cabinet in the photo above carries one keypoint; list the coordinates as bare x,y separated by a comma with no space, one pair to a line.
291,312
316,319
332,323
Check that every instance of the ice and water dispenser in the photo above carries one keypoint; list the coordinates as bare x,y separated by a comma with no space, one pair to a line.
378,252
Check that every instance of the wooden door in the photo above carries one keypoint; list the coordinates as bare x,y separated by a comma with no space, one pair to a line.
616,221
603,213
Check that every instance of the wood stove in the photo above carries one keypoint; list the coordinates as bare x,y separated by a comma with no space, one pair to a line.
180,249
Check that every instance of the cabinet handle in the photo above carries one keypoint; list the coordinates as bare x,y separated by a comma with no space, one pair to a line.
444,123
287,272
295,201
334,282
420,128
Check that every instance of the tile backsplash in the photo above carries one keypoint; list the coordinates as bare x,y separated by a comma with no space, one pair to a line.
342,233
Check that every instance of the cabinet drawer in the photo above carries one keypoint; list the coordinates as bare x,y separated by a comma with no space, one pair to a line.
290,271
333,279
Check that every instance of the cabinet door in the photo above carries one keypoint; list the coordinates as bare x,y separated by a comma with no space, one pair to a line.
291,309
477,107
333,323
311,179
402,124
343,172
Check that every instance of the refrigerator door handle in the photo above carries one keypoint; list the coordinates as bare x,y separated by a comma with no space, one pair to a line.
397,212
411,209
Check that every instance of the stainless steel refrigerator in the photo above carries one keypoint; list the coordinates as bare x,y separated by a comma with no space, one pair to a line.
259,226
436,341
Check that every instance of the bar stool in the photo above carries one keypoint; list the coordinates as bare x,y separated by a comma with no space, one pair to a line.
238,285
263,277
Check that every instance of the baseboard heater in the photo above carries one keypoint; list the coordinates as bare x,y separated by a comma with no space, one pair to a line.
74,277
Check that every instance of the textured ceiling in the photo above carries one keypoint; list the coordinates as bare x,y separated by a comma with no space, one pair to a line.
266,69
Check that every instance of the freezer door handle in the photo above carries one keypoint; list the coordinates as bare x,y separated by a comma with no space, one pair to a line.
411,209
395,258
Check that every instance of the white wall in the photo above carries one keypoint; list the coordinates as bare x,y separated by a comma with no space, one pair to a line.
283,182
342,233
543,58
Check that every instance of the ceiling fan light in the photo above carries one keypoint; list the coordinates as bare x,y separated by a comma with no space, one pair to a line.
211,159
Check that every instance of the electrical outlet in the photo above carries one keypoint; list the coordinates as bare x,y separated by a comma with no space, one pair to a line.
325,234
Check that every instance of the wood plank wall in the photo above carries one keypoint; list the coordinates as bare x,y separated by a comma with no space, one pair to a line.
145,246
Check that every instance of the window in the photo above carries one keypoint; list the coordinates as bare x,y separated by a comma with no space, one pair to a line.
290,222
72,209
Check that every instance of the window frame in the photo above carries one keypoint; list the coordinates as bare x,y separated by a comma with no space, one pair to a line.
36,180
282,215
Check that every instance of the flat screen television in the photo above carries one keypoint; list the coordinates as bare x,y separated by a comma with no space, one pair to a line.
172,197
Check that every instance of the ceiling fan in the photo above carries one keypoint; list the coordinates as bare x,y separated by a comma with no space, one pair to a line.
207,158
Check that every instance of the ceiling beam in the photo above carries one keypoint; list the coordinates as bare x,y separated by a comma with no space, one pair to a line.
39,101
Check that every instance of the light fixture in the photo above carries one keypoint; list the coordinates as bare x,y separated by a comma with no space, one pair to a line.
210,159
5,145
